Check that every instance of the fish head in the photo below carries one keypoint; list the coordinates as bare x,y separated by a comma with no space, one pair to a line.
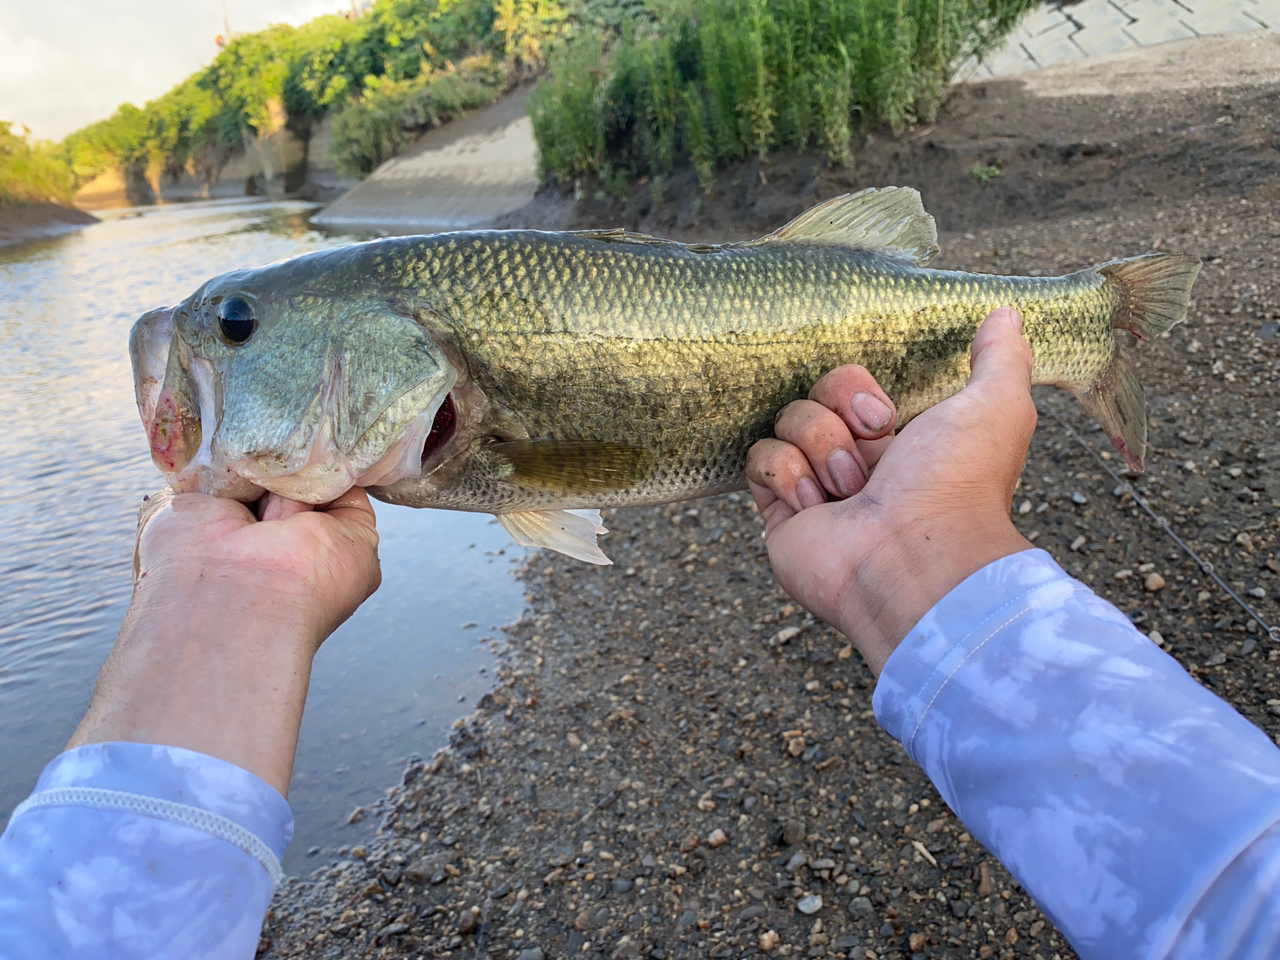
268,380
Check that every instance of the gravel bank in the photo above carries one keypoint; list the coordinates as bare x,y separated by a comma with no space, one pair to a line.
20,222
677,762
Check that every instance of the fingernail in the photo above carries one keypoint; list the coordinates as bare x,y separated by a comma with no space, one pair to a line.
871,411
1016,316
845,472
809,494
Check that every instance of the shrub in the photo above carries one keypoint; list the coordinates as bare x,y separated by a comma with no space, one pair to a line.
712,81
390,114
31,172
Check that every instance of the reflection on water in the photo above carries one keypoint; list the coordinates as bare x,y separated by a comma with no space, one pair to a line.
74,466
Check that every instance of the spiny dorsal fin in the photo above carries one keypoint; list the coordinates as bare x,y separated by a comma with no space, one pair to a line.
888,220
575,466
618,235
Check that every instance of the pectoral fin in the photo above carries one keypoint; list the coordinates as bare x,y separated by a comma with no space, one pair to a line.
571,532
574,466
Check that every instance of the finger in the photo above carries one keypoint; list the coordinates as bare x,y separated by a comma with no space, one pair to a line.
151,508
825,441
786,472
354,505
773,510
852,392
1001,365
1001,354
275,507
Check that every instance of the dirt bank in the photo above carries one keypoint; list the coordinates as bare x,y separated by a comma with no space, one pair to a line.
38,221
677,762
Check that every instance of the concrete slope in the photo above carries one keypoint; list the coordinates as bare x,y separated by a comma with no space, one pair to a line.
459,176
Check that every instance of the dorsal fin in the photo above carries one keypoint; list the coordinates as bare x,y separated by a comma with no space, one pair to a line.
888,220
618,235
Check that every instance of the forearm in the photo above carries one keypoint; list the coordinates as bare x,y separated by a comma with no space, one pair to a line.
1117,789
225,673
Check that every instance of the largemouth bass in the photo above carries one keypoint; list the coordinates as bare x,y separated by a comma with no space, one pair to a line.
541,376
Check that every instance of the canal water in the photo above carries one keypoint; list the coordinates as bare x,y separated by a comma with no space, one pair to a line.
74,466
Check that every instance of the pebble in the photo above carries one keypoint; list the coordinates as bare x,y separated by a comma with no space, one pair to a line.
809,905
391,929
1244,540
1024,507
861,908
466,922
717,838
1079,499
1157,638
1154,582
793,832
785,635
623,885
768,940
1258,593
532,953
356,815
1078,542
312,851
797,861
687,919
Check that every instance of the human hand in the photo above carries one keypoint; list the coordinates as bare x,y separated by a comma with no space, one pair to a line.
320,563
227,613
921,513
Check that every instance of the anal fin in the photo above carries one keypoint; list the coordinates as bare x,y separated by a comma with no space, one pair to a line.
571,532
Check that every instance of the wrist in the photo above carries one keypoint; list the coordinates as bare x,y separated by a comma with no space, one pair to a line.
909,569
213,660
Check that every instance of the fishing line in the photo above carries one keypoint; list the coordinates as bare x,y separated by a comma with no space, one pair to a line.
1206,566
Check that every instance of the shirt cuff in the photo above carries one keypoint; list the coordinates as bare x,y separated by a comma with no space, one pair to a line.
177,776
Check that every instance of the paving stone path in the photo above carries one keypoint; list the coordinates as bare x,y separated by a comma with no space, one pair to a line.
1064,33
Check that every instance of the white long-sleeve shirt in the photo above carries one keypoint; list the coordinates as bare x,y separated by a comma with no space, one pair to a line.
127,851
1139,810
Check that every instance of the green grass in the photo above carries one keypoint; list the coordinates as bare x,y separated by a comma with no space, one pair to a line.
708,82
984,172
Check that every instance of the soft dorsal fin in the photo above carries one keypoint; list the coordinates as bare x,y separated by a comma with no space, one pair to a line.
888,220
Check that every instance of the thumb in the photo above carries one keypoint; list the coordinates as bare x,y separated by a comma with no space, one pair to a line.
1001,357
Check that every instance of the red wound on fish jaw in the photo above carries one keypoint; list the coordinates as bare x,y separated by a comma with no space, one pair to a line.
171,433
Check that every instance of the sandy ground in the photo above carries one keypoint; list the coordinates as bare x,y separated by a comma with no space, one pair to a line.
38,221
676,761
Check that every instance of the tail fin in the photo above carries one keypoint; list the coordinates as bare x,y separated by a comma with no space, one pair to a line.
1154,292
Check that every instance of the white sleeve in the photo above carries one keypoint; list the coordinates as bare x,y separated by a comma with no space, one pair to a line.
131,850
1139,810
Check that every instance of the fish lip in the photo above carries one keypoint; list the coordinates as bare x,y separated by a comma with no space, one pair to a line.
150,341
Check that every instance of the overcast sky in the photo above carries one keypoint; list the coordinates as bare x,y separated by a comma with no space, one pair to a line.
67,63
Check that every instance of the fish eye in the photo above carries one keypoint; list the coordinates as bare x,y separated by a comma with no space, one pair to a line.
236,321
